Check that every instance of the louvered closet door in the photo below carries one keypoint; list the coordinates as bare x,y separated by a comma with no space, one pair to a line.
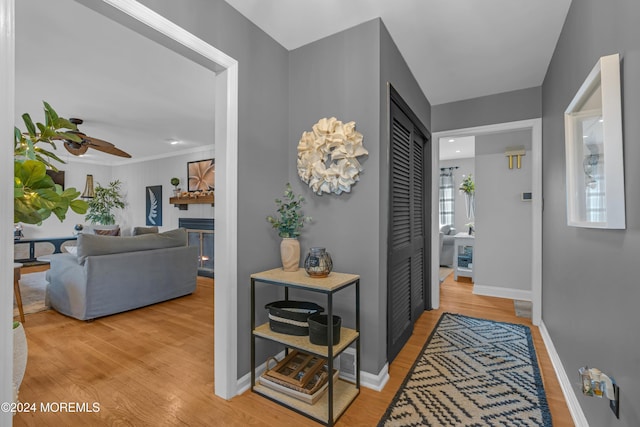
407,241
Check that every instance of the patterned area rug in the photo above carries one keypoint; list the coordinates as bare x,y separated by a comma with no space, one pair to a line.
32,290
472,372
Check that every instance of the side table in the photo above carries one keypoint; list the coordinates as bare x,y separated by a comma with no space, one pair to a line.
462,240
16,288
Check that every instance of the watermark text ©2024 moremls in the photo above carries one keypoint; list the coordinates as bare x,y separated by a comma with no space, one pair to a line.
80,407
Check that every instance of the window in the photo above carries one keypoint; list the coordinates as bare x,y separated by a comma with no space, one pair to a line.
446,197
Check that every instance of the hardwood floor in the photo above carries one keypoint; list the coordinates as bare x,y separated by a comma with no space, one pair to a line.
154,367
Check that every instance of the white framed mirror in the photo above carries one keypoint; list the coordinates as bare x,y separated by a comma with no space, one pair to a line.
594,151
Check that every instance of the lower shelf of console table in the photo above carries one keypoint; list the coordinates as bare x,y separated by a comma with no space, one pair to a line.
344,392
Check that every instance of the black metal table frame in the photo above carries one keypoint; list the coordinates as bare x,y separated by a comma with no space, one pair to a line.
330,355
55,241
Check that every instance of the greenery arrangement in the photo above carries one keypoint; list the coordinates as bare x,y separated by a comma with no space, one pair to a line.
291,219
105,200
175,181
468,186
35,195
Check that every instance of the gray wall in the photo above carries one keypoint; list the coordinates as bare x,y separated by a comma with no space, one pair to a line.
465,167
338,77
500,108
503,245
345,75
263,110
590,281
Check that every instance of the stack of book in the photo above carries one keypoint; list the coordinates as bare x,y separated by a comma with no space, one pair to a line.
299,375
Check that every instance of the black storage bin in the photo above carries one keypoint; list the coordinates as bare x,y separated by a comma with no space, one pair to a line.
290,317
318,331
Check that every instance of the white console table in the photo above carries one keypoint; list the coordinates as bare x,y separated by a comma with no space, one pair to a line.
462,240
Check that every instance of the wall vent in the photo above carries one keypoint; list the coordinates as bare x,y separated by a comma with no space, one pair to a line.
347,364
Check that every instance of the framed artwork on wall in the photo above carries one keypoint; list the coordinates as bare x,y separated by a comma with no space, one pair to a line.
153,212
57,177
594,151
201,175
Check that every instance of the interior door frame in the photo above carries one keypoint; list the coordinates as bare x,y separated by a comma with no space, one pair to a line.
535,125
142,19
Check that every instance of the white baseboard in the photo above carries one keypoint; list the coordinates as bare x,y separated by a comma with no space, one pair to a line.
372,381
244,382
499,292
579,419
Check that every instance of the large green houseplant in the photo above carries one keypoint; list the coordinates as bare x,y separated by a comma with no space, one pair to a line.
104,202
35,195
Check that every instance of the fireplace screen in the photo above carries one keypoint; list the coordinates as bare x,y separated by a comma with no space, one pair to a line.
201,235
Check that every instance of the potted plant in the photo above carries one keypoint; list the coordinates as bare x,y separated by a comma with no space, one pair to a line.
35,195
104,202
175,182
289,222
20,351
468,187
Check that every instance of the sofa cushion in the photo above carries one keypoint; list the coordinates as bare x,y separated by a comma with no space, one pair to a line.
92,245
137,231
445,229
107,231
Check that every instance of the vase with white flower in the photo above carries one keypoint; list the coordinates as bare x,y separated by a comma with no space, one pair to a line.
289,221
468,187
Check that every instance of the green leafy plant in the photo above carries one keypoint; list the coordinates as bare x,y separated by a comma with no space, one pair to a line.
35,195
175,181
105,200
468,186
291,220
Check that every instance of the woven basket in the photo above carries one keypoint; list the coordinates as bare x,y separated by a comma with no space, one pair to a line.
319,332
290,317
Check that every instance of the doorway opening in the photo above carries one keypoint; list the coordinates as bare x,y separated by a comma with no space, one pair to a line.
149,23
535,127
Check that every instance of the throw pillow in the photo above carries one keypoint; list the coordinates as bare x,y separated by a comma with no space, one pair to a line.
107,232
73,250
144,230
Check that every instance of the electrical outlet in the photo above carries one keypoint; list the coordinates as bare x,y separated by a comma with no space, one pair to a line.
615,404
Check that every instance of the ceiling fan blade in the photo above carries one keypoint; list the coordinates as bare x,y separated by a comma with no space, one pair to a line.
95,142
75,148
109,149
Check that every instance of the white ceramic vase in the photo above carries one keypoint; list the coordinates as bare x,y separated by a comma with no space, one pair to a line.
20,351
290,254
470,204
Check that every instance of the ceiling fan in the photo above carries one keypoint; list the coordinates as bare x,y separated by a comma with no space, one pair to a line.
79,148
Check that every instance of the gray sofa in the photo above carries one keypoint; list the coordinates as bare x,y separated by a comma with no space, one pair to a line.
447,238
114,274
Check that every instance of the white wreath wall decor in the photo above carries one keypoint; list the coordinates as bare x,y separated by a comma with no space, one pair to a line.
327,156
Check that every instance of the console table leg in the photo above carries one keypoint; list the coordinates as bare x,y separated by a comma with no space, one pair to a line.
16,290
